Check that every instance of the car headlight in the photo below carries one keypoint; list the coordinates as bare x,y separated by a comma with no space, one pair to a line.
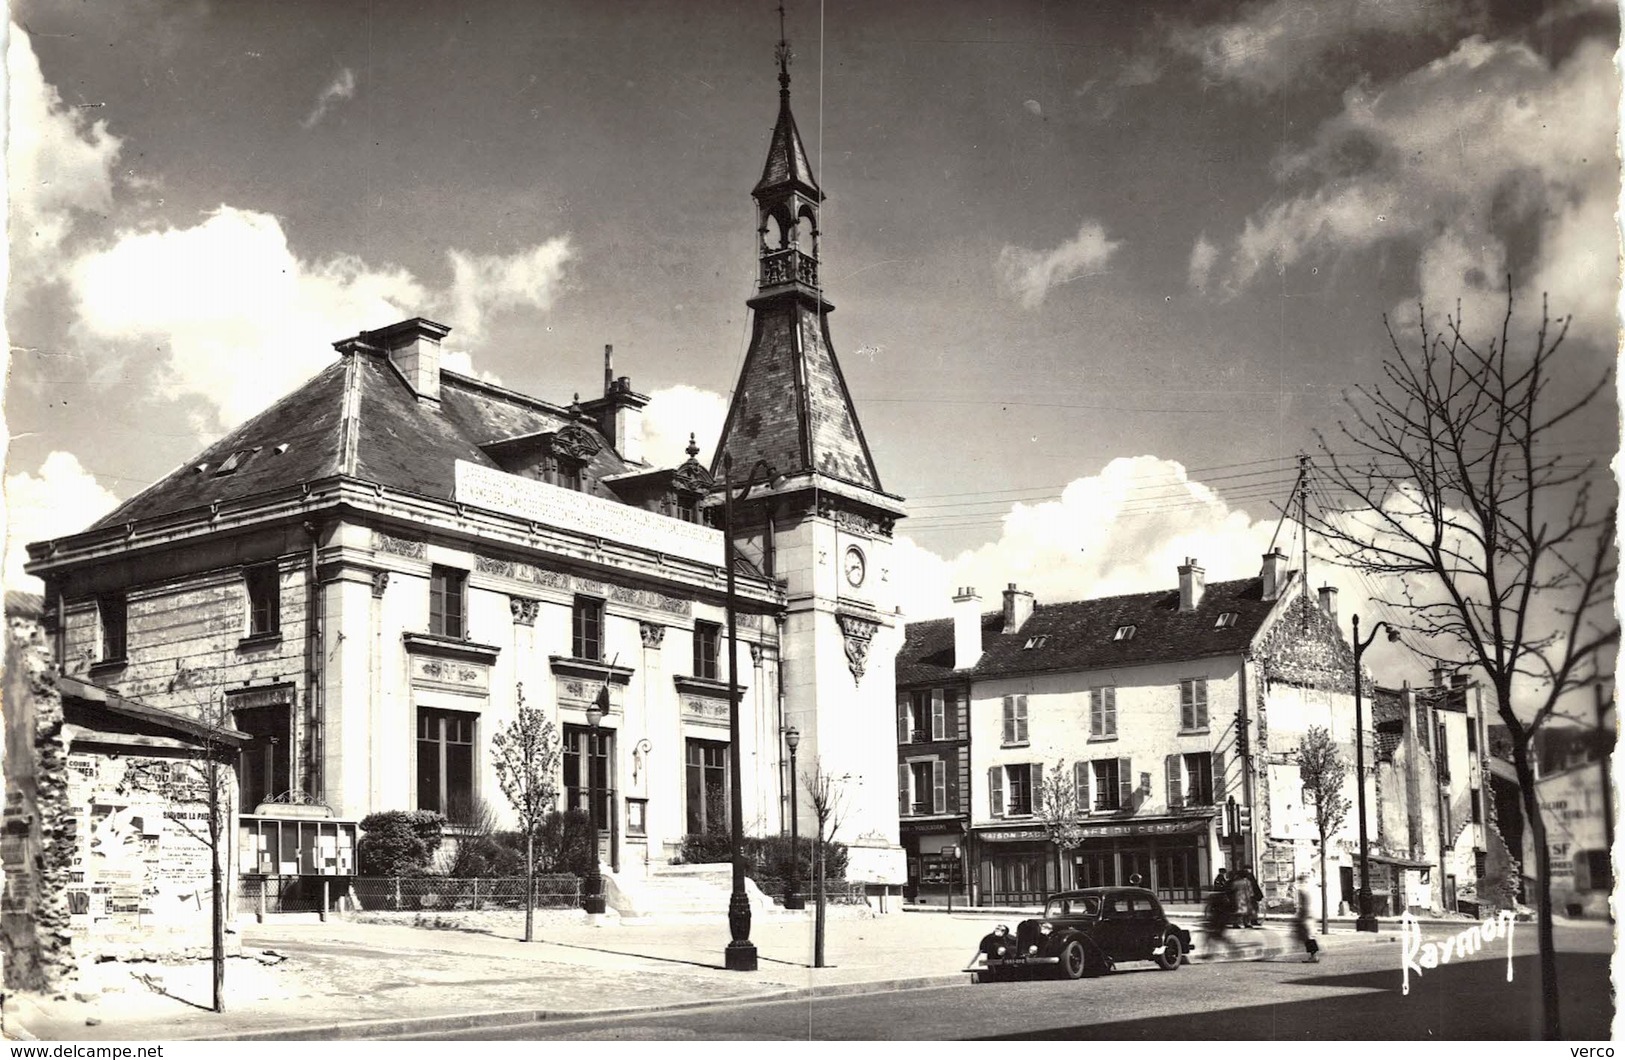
999,952
1045,928
1032,950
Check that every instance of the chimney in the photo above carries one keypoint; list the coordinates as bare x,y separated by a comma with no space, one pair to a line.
1328,601
967,629
414,348
1274,574
1018,608
619,413
1191,585
1440,676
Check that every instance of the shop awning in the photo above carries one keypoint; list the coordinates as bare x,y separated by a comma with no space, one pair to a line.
1404,863
1104,829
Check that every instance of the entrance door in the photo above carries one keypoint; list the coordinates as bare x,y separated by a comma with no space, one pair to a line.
1177,879
1095,868
1346,879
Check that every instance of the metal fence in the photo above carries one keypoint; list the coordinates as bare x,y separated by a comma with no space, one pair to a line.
303,894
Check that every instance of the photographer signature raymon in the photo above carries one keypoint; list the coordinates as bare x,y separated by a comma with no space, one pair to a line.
1417,954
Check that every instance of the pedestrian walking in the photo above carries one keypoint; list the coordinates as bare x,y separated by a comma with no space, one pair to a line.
1256,895
1300,923
1221,882
1241,899
1216,914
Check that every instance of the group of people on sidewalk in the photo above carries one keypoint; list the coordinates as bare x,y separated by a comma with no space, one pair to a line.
1234,902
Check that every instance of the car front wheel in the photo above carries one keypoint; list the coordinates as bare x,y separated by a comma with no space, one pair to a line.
1073,961
1171,953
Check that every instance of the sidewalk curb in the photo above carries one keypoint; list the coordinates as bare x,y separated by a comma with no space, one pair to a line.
407,1026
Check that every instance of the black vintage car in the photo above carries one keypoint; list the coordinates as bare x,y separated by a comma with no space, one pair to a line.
1084,932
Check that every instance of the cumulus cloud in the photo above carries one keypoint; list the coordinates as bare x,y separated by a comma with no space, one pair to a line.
238,319
1101,537
62,498
1271,44
675,412
342,87
1457,159
60,167
485,283
1031,274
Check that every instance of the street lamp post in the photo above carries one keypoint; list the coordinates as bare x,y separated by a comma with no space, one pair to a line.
1366,920
793,900
592,887
740,954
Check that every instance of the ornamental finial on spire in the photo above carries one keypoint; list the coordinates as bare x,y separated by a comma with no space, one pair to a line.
783,54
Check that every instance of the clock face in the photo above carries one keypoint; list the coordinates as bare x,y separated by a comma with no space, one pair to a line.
854,566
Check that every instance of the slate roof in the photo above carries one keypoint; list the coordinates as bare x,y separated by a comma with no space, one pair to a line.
786,157
359,418
1078,634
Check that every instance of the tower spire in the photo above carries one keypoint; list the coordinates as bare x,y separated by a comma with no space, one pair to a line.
783,54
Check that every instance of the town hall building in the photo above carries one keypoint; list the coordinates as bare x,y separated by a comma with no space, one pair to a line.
369,578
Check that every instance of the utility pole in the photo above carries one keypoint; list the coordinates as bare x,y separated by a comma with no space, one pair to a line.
1303,527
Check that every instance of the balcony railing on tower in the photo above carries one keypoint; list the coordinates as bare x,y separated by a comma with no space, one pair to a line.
789,265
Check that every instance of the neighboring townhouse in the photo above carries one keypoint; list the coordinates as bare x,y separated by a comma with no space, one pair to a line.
1161,707
933,771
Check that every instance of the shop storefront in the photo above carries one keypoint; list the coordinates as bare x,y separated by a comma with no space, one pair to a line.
1171,856
936,863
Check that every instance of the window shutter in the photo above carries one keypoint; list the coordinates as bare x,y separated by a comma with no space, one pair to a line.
1021,719
950,714
902,789
1009,719
1035,778
1218,777
1199,698
1174,766
1097,716
995,790
1080,786
939,724
1187,711
902,718
1110,710
939,786
1125,783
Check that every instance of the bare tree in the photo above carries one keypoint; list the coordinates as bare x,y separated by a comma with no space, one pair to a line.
526,757
1482,536
1056,809
828,796
1321,768
204,778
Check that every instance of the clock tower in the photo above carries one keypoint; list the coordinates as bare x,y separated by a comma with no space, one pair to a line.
824,526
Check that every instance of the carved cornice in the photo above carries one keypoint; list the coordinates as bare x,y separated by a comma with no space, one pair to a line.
692,477
524,610
380,582
701,686
565,666
845,518
653,633
428,644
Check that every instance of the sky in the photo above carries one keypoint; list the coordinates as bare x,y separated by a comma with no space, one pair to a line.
1101,270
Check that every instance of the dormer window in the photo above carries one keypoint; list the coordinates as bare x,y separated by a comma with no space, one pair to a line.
1124,633
234,461
1035,642
687,507
1226,620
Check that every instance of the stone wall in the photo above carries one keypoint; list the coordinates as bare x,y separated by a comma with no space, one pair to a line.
35,931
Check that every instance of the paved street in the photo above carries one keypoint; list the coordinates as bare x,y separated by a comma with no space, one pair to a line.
1353,994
